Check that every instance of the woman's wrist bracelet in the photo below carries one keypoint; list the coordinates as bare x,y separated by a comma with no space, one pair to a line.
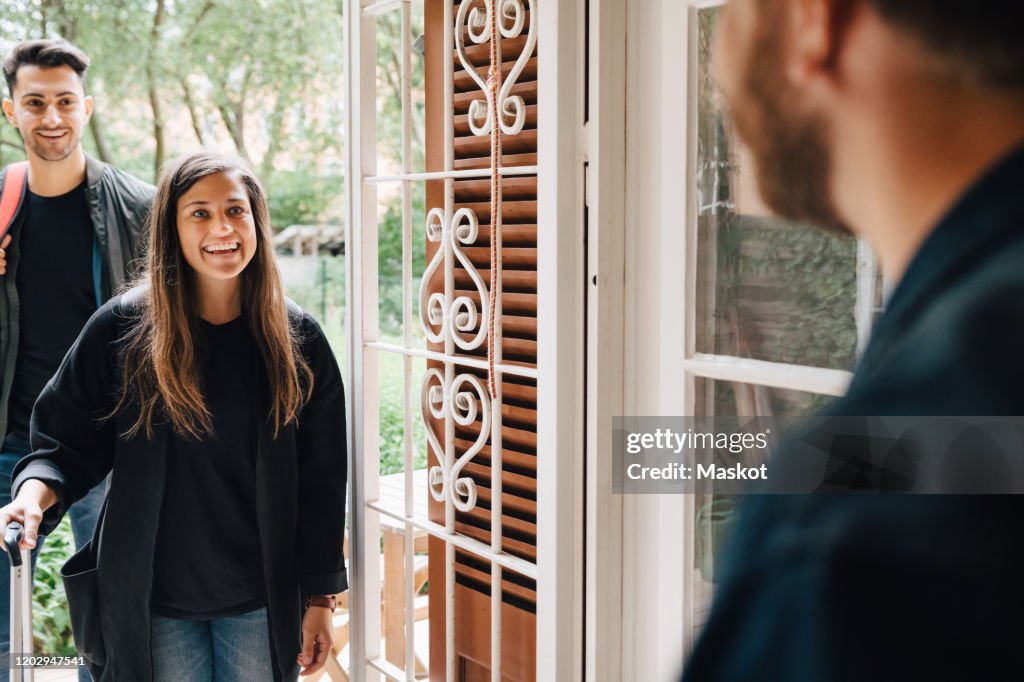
325,600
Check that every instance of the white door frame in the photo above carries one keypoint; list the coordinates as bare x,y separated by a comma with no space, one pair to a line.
606,236
657,556
561,338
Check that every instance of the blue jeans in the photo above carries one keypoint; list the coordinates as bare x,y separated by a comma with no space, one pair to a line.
83,520
234,649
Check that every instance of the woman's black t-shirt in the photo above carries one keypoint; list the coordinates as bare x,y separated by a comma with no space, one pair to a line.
208,563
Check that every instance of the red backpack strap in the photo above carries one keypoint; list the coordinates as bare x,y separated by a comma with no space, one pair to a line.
14,191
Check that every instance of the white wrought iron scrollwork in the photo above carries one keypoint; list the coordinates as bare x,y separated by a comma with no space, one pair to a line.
477,24
514,106
462,317
462,322
479,30
462,401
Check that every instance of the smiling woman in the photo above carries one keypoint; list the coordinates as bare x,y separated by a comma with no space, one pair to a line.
224,426
217,232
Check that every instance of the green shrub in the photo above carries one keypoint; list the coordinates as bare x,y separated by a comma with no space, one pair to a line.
325,300
392,414
51,624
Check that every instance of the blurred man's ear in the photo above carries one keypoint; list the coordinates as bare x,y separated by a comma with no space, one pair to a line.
817,31
88,107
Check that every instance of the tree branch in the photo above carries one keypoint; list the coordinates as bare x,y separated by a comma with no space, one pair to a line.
237,111
190,101
154,95
187,38
65,22
276,134
98,137
193,112
239,105
227,114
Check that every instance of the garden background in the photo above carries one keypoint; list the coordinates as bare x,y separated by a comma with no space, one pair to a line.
260,78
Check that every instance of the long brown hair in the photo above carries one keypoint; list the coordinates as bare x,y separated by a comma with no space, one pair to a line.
161,367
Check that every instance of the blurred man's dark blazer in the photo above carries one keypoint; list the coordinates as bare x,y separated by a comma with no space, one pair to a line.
817,588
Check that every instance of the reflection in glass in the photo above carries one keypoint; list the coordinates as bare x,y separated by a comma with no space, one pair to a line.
767,288
716,513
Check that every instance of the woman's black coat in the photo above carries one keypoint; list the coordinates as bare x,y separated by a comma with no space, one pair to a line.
300,497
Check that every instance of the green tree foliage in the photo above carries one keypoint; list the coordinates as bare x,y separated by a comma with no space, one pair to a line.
261,78
51,624
389,144
389,257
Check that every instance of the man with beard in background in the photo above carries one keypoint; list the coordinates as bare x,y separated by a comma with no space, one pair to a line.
901,121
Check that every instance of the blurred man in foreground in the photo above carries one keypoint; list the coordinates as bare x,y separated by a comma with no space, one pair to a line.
903,122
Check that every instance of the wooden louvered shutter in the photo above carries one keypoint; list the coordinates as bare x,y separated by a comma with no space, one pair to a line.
519,347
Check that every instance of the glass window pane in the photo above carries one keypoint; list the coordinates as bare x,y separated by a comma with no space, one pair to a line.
715,513
766,288
714,398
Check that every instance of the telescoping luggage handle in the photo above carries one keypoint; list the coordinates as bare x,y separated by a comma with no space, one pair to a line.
14,191
21,599
12,536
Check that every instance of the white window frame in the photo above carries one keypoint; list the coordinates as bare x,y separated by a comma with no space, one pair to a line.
661,365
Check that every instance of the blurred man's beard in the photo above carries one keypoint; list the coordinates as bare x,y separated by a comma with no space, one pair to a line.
790,152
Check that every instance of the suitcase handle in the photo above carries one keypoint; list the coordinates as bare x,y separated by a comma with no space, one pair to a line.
12,536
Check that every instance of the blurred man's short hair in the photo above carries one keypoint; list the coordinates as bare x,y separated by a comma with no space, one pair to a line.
980,39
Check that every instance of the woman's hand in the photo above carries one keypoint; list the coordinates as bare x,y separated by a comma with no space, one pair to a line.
317,639
33,499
